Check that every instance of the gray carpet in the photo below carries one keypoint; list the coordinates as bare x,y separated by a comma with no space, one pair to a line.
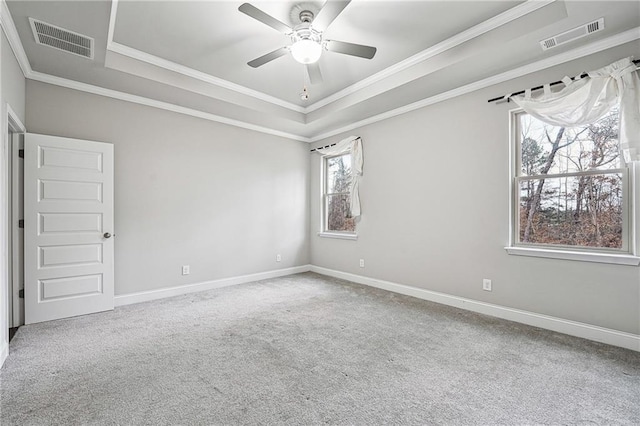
308,349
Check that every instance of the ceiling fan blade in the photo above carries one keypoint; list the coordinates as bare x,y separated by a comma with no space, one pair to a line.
268,57
315,76
328,13
255,13
352,49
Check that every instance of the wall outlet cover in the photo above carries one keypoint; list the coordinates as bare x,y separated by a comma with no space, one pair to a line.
486,284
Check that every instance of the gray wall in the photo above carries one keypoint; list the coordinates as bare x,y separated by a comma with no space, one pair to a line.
435,200
221,199
435,195
13,81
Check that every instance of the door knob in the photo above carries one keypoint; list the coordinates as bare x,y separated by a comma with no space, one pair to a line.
107,235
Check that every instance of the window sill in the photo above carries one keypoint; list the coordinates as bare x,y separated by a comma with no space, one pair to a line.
338,235
616,259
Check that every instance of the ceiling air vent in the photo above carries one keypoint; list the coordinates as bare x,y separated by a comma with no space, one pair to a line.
573,34
61,39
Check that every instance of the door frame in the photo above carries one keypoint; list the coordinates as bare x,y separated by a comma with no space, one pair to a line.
15,259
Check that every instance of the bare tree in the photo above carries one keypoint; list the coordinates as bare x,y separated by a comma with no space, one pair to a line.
338,208
534,205
583,210
604,135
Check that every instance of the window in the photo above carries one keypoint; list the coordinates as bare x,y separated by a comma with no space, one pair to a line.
336,194
571,187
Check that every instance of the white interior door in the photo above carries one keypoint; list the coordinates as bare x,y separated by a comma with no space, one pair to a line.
68,224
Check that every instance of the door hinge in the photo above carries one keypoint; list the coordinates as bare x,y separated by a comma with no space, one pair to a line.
21,153
21,294
21,223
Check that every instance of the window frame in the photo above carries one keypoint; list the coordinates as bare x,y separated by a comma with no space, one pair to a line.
324,202
627,255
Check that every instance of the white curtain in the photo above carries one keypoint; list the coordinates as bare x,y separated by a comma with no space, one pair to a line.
585,100
352,145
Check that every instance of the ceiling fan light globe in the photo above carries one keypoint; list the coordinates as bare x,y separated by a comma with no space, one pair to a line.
306,51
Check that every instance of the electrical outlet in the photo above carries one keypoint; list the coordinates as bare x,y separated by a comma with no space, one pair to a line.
486,284
278,258
362,263
186,270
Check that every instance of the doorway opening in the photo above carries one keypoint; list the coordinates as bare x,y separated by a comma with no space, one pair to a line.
15,235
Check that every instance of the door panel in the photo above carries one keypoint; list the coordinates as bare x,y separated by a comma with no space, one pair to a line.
68,193
70,223
53,256
64,288
70,159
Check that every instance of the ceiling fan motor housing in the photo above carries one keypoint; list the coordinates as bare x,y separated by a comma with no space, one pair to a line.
306,16
305,31
306,41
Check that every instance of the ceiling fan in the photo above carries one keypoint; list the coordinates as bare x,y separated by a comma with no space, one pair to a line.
307,41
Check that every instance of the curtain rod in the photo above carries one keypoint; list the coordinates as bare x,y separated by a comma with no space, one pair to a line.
323,147
333,144
499,98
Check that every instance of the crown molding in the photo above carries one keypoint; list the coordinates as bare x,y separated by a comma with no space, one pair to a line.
595,47
9,28
495,22
199,75
11,32
15,124
187,71
598,46
112,22
475,31
101,91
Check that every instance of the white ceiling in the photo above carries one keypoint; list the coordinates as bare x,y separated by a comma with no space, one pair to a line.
213,37
191,56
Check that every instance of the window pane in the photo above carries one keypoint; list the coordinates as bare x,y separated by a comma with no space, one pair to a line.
547,149
338,214
575,211
338,174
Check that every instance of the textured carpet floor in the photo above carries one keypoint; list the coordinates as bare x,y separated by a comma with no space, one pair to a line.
308,349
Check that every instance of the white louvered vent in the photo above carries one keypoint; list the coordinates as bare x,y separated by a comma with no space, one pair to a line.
61,39
573,34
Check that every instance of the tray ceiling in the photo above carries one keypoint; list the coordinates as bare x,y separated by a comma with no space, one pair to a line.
193,54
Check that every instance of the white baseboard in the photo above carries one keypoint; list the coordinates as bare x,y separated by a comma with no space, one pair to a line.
573,328
145,296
